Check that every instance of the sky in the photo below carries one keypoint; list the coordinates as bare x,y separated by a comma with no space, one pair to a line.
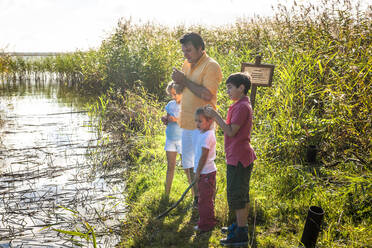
70,25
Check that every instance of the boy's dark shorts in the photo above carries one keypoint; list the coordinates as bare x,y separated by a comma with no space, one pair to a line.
238,179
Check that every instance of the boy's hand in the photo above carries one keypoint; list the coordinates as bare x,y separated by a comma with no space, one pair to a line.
209,111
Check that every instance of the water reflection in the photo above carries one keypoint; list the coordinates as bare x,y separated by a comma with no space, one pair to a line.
46,179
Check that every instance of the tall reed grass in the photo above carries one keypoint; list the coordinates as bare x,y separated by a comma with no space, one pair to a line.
321,96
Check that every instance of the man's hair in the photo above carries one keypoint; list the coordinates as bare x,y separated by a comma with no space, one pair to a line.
240,78
201,111
194,38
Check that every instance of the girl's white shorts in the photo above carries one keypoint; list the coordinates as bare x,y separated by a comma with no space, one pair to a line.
173,146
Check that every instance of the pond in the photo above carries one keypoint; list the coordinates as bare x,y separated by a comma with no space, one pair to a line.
51,181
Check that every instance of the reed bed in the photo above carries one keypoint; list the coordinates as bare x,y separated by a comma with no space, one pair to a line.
63,68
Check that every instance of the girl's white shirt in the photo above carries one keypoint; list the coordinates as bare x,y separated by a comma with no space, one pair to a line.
207,140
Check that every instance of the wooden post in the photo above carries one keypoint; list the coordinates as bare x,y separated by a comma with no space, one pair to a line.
254,87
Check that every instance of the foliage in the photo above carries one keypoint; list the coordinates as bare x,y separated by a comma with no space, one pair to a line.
321,95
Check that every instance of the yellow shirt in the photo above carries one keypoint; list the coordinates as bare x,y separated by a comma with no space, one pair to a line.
206,72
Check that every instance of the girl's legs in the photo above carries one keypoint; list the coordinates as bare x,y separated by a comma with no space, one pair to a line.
171,159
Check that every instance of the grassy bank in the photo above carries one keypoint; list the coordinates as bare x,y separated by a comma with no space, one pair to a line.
321,96
281,193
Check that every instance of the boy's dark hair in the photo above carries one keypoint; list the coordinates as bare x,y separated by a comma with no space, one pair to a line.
238,79
194,38
201,111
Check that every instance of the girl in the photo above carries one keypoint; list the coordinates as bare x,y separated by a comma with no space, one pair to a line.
204,141
173,133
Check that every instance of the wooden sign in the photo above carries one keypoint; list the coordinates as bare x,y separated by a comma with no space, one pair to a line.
262,74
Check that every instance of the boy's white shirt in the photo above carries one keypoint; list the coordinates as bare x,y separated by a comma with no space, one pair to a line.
206,140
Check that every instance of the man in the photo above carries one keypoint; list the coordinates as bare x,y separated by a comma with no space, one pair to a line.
199,79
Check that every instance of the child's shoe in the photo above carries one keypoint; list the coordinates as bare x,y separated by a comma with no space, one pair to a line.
229,229
198,230
237,238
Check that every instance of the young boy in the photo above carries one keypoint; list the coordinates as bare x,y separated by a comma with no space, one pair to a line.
239,154
173,134
204,141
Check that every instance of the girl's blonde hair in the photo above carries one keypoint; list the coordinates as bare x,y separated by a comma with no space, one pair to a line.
170,86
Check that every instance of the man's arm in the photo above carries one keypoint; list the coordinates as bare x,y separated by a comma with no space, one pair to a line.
199,90
179,88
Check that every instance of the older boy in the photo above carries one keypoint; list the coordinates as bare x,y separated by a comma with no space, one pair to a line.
239,154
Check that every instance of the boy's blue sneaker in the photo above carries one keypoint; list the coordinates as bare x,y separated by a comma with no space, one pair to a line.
229,229
237,238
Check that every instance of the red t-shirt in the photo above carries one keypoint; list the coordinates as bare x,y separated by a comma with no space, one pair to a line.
238,147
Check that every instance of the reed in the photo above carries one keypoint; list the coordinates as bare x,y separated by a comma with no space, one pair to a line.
321,96
88,236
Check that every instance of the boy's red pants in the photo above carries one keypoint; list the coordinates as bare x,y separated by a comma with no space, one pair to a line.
207,188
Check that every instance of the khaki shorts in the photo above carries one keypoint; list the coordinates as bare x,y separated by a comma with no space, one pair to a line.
238,179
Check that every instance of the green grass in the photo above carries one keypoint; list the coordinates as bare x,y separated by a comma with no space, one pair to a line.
281,196
281,193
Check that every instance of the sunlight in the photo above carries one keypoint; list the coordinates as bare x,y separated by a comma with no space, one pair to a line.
62,26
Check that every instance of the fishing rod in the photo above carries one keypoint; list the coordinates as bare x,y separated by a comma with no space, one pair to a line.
178,202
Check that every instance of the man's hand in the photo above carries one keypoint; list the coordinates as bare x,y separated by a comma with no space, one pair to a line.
198,90
178,77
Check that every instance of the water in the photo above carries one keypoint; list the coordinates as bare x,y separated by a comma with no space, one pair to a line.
47,181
